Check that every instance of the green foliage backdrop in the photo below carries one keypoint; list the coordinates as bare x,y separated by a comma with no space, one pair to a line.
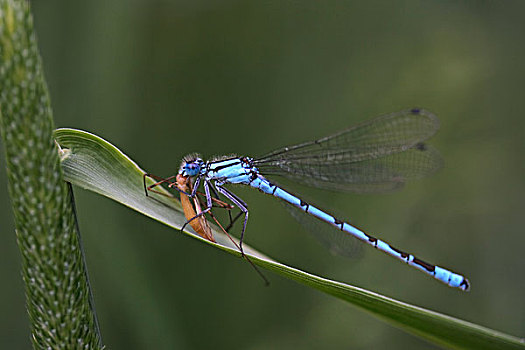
161,79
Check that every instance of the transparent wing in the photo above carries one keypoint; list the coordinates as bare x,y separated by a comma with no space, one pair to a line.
374,156
337,242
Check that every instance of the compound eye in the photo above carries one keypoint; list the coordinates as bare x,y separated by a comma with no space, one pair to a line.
192,169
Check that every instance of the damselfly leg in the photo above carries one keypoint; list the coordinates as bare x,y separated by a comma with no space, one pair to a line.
195,215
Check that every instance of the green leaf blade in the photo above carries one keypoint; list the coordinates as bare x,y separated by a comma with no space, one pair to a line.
95,164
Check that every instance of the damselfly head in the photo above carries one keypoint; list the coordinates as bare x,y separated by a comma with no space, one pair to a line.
191,165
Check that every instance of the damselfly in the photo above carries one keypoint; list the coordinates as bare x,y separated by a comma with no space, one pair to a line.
377,155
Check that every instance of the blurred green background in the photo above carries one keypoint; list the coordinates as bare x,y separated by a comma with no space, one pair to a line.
161,79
